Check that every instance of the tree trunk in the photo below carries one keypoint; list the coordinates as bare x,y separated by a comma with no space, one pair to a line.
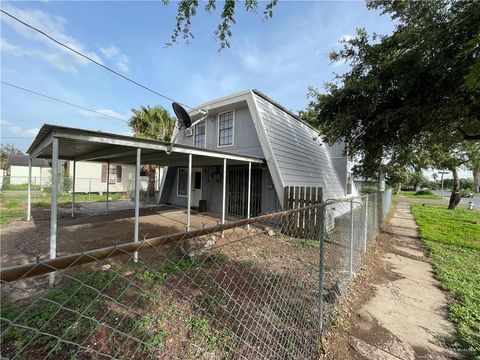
151,180
455,196
399,189
476,179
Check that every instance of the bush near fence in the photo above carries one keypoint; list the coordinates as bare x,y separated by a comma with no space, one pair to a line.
248,289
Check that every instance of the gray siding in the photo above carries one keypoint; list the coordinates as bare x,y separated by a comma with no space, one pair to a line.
300,160
337,149
245,136
340,165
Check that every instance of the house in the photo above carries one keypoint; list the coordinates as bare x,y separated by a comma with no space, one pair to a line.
343,165
18,173
250,123
91,177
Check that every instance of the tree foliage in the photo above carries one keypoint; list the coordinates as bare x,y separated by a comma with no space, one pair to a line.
407,92
152,122
5,150
187,10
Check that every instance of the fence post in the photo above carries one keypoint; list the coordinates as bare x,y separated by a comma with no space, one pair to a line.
365,224
322,213
350,260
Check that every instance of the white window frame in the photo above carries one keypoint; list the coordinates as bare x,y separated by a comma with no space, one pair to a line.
233,128
112,180
205,134
178,181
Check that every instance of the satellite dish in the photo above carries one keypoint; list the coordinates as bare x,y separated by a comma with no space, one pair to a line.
184,120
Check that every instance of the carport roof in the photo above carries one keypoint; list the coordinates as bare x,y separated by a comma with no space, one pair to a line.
88,145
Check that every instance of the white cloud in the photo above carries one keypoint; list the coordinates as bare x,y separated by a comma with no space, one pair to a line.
56,55
56,60
13,130
112,53
346,37
53,25
108,112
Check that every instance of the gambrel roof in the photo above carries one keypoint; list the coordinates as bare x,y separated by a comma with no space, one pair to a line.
293,150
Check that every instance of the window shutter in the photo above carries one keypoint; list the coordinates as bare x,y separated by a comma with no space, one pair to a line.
119,173
104,173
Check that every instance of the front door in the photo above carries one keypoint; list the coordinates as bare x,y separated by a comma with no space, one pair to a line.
196,186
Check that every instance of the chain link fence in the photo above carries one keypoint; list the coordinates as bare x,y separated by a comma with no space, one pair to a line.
252,289
90,194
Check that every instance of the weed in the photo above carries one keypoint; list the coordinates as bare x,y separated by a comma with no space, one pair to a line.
264,254
201,331
303,243
217,259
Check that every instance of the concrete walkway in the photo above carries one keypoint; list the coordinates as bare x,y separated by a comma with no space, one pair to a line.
406,318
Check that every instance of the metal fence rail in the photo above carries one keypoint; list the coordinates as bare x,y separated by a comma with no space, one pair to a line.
249,289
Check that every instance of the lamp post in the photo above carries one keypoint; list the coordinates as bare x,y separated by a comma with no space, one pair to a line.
441,191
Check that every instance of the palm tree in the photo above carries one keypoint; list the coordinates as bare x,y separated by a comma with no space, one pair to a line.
152,123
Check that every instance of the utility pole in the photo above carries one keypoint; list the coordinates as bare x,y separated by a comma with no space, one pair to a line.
441,191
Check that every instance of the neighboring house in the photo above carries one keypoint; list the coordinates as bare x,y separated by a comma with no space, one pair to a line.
343,165
92,177
250,123
18,173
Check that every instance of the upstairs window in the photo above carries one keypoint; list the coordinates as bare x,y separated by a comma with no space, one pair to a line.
225,129
199,138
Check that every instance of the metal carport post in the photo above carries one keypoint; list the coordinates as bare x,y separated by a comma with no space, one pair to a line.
73,187
249,190
53,207
108,185
137,200
224,190
29,192
189,191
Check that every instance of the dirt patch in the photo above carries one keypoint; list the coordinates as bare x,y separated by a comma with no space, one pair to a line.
23,242
254,296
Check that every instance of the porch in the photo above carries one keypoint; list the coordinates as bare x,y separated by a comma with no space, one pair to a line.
56,142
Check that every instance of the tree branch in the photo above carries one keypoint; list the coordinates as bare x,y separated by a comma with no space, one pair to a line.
468,136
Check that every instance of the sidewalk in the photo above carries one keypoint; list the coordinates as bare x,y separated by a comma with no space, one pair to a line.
401,313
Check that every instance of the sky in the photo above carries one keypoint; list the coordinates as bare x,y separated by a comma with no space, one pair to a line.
281,57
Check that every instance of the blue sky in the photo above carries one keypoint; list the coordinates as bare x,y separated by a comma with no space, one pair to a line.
281,57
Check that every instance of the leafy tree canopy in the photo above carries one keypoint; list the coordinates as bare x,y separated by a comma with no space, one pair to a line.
413,91
187,10
5,150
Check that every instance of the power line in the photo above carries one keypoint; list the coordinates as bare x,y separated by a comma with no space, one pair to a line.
92,60
62,101
17,137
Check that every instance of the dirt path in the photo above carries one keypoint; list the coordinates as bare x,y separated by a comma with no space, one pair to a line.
396,310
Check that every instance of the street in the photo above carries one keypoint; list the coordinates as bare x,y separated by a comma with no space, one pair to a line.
464,201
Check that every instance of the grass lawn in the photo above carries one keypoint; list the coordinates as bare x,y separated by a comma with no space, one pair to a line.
413,194
453,238
13,206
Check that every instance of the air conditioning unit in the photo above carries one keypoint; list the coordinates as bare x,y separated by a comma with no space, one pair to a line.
189,132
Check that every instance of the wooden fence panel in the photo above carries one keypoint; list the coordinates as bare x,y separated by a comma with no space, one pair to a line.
303,224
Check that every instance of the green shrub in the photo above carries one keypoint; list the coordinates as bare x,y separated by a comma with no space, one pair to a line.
424,192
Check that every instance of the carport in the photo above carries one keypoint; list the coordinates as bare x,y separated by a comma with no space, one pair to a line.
64,143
